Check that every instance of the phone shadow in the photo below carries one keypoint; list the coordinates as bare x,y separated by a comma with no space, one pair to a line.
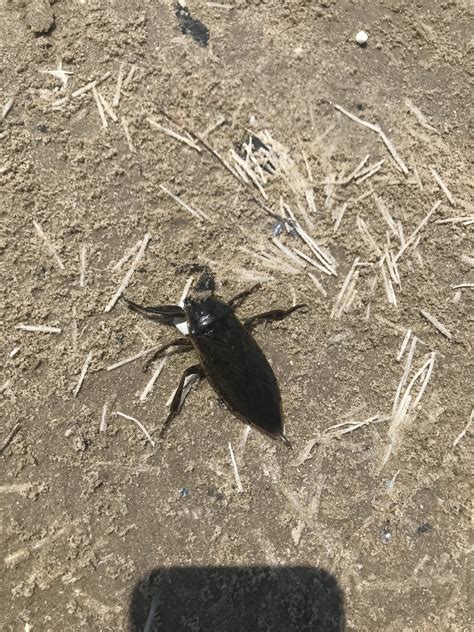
237,599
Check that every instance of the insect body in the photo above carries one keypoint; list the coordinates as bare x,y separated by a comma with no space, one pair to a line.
229,356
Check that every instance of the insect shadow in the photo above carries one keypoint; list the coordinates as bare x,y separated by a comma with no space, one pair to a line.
237,599
229,356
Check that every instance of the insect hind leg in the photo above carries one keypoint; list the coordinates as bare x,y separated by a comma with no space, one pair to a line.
165,314
184,344
236,300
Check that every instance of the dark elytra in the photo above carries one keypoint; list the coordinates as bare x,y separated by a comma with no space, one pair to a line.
229,356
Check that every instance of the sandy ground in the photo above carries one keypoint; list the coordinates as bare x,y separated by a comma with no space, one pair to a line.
360,526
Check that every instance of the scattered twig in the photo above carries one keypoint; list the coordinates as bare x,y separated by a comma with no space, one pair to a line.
99,107
82,259
6,108
139,424
154,377
463,285
236,469
126,131
420,117
200,215
91,85
103,418
85,366
44,329
435,322
107,107
129,77
49,244
13,352
132,358
442,186
404,345
414,234
129,274
172,134
465,220
375,128
118,85
9,437
461,434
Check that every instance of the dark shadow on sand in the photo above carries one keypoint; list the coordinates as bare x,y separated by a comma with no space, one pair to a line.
237,599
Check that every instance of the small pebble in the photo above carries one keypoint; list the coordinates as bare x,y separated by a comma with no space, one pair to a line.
361,38
385,534
424,528
183,492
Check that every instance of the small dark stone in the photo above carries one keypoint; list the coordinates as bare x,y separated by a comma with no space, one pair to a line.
424,528
42,128
189,26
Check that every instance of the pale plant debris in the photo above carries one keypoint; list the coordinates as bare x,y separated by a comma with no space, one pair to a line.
457,297
128,276
467,259
324,257
270,262
4,135
414,234
311,261
375,128
462,434
387,281
347,288
6,108
244,169
107,107
340,215
82,376
148,388
436,323
44,329
463,286
10,436
126,131
420,117
380,204
59,73
172,134
218,5
75,332
200,215
139,424
417,176
82,262
49,244
129,77
404,344
128,255
345,427
186,289
103,418
405,403
287,252
370,171
367,237
100,107
144,335
92,84
213,126
442,186
236,469
13,352
132,358
464,220
118,85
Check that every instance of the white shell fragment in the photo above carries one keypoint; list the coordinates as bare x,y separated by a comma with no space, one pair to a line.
361,38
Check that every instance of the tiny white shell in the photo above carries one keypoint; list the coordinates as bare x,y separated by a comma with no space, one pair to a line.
361,38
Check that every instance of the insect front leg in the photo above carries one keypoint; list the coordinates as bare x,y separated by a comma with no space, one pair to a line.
177,402
165,314
184,343
274,314
236,300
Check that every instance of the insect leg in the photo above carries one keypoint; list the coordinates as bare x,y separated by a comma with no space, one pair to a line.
179,342
176,404
165,314
240,297
274,314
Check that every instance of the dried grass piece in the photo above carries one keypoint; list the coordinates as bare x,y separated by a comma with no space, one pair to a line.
436,323
126,131
139,424
44,329
420,117
414,234
82,261
49,244
128,276
91,85
99,107
200,215
172,134
84,369
375,128
442,186
107,107
6,108
236,469
154,377
103,418
462,434
349,282
118,85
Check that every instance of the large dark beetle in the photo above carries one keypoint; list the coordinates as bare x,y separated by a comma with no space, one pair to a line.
229,356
